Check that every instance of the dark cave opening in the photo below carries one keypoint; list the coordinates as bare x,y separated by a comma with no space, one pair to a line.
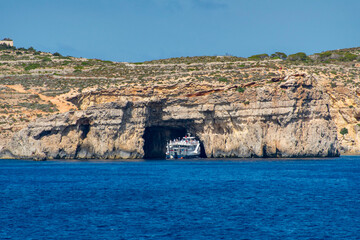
156,139
202,150
85,130
83,125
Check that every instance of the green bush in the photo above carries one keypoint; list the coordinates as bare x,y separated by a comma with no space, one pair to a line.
333,56
344,131
325,54
6,47
107,61
86,63
240,89
56,54
259,56
78,67
223,79
300,56
46,59
279,55
31,66
348,57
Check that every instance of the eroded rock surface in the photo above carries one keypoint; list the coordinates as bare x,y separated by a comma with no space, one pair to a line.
290,118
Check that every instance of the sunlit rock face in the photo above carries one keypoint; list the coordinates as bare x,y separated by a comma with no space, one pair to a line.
290,118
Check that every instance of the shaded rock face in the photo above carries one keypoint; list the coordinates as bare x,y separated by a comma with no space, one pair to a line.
288,119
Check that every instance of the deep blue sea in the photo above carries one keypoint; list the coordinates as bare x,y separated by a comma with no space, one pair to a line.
203,199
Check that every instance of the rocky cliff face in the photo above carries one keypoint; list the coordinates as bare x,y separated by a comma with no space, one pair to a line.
345,113
289,118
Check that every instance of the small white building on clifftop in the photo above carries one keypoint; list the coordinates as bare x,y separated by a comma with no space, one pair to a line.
7,41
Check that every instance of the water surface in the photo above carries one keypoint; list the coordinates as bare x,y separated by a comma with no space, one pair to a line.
206,199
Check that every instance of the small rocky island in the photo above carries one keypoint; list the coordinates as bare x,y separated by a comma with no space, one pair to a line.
236,107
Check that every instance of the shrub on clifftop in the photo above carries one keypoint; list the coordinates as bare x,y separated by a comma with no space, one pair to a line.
259,56
279,55
300,56
56,54
348,57
6,47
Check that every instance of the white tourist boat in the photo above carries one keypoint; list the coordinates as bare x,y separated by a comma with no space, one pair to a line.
187,147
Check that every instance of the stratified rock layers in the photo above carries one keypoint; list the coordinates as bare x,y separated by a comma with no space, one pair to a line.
291,119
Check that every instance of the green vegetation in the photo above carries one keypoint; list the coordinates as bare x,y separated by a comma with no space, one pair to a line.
78,67
43,107
333,56
223,79
5,106
348,57
300,56
344,131
31,66
7,57
279,55
195,59
46,59
87,63
56,54
6,47
325,55
107,61
259,56
240,89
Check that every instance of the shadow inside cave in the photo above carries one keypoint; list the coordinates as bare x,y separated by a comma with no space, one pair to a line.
156,139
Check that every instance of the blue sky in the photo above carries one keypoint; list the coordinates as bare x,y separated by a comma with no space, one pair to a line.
140,30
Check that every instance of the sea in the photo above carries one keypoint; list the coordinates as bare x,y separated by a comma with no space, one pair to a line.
185,199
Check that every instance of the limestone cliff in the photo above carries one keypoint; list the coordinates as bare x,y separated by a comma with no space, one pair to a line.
286,118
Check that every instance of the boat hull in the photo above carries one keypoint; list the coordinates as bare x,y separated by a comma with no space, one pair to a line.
171,157
187,147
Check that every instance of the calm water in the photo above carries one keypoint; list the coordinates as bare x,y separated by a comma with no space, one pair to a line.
262,199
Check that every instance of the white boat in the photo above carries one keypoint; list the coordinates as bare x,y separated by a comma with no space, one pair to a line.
187,147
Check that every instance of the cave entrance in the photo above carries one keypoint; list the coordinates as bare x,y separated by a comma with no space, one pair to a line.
156,139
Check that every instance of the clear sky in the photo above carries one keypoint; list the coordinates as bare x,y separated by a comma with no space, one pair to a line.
140,30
